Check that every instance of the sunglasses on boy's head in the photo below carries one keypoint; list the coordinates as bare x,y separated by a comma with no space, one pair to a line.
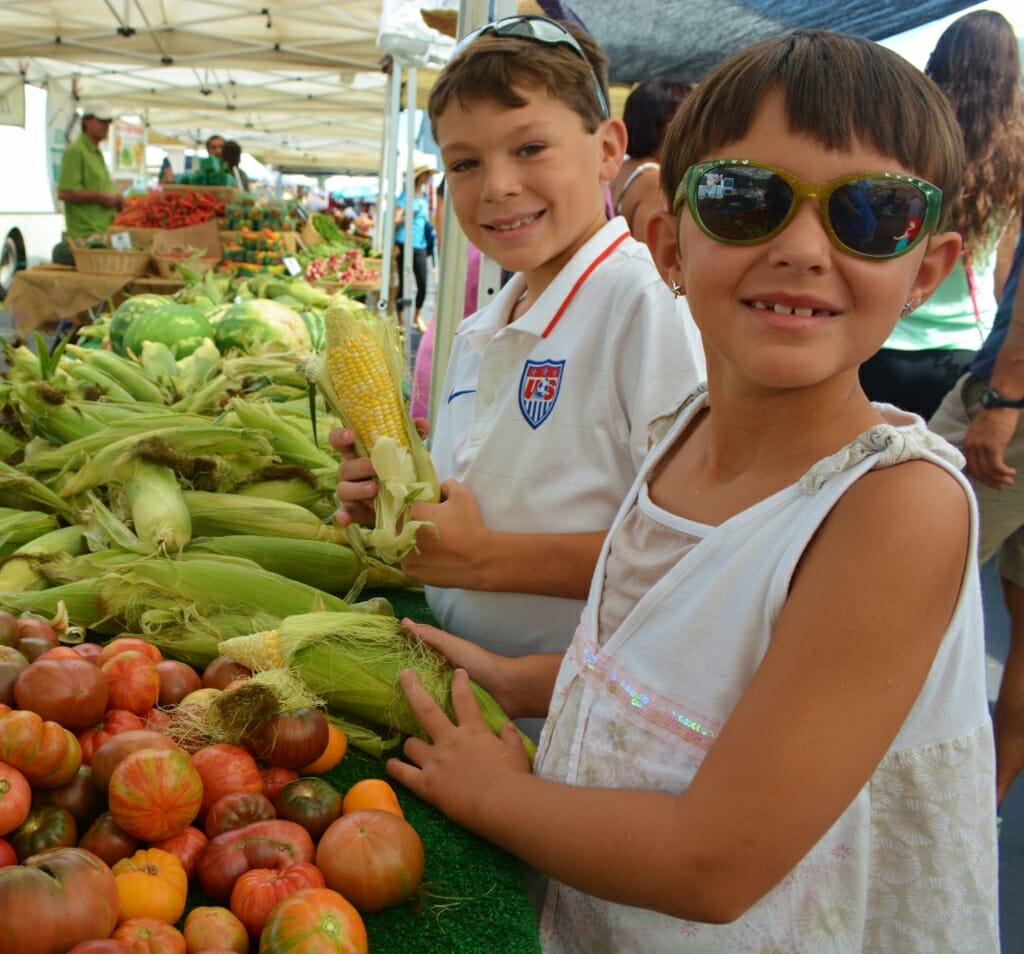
870,214
543,30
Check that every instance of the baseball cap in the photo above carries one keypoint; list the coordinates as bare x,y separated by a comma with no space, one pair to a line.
98,110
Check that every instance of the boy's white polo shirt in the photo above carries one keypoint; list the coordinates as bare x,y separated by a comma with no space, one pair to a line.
546,419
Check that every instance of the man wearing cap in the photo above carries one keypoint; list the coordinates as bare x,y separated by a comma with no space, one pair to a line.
90,200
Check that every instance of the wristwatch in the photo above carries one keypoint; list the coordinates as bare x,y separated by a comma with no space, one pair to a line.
990,397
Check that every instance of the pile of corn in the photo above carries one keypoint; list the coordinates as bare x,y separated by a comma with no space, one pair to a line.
186,501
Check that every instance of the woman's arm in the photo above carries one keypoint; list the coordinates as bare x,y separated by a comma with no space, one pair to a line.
867,610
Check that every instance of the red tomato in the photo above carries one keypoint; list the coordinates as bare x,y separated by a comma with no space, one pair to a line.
274,779
222,671
46,753
107,945
226,768
157,719
11,664
79,797
8,856
259,889
45,827
52,902
112,722
236,810
371,857
186,846
314,921
106,839
15,798
121,644
177,680
107,756
89,651
132,680
154,793
59,652
71,692
150,936
211,928
290,739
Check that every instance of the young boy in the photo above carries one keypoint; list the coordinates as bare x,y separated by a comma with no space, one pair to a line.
549,388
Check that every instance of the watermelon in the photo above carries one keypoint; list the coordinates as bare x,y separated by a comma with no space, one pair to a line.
249,325
181,327
130,309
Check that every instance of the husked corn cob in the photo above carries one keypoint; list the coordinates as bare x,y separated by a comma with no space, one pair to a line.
360,377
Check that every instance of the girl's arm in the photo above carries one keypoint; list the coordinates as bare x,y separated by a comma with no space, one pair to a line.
867,610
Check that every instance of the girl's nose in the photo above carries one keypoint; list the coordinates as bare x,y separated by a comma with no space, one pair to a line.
803,243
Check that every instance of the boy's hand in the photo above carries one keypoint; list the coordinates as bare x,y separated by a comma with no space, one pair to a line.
463,760
356,485
449,553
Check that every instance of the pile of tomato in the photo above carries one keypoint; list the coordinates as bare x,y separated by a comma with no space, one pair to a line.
107,817
169,210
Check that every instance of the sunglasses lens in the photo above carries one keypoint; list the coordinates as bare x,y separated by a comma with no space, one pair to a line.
742,203
877,217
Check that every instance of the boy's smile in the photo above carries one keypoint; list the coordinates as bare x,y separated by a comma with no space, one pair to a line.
527,183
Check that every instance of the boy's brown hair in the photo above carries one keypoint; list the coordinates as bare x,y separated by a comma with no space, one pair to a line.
838,89
492,66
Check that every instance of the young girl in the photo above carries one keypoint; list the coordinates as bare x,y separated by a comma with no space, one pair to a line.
770,732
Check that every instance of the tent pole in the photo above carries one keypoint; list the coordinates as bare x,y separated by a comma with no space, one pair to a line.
451,278
408,279
384,225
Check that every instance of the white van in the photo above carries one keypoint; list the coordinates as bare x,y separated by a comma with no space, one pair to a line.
30,220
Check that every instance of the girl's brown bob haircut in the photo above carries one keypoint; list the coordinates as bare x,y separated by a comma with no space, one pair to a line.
492,67
837,89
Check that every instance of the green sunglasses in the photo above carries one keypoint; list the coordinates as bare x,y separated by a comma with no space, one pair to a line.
870,214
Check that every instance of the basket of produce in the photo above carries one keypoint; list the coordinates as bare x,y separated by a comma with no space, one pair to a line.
167,264
223,193
111,261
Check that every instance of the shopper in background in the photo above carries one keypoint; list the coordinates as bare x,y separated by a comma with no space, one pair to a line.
214,145
231,155
420,218
636,190
976,63
84,184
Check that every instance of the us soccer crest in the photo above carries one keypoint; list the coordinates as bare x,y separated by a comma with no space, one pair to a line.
538,390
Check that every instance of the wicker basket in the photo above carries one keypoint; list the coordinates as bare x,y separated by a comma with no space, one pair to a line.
141,237
111,261
167,265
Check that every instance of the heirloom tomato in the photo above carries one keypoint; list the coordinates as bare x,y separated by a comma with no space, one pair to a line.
257,891
211,927
236,810
71,692
226,768
151,884
313,921
373,858
111,723
107,756
290,739
150,936
124,644
177,680
132,680
46,753
154,793
54,900
45,827
79,796
312,803
186,846
106,839
15,798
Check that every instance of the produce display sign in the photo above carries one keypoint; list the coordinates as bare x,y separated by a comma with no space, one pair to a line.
128,142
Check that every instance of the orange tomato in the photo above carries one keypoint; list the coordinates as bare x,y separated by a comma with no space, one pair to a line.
337,746
151,884
371,793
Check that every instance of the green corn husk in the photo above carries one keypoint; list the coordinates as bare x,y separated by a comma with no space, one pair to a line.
19,528
159,512
45,411
296,490
9,444
82,599
376,742
288,441
353,662
125,372
215,515
332,567
20,571
23,491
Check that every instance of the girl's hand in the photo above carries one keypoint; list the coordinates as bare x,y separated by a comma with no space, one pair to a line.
490,670
464,760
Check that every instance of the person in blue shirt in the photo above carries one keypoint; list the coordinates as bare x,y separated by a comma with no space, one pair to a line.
982,416
420,221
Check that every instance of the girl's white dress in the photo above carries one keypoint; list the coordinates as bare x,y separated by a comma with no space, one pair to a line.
910,866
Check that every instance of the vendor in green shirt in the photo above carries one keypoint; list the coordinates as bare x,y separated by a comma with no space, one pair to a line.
90,200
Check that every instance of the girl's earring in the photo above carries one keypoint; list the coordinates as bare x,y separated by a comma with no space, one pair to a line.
676,288
908,307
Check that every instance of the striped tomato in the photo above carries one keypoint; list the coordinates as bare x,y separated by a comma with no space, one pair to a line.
155,793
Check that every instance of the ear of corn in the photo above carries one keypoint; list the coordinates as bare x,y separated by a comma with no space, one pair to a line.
360,376
215,514
353,661
20,571
159,512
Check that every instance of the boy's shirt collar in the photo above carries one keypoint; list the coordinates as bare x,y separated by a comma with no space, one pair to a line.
536,321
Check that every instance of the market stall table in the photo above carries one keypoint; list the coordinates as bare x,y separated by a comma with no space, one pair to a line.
44,296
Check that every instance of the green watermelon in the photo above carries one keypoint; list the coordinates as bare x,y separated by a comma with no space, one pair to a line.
130,309
181,327
248,325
